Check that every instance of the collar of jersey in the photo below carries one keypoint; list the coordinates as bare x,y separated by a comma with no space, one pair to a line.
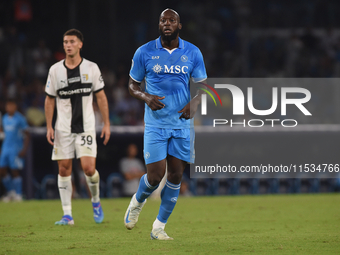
74,67
159,43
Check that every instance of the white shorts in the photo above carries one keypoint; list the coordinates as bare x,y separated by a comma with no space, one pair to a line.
65,144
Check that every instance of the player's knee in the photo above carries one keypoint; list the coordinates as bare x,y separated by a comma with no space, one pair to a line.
174,177
64,171
89,170
154,180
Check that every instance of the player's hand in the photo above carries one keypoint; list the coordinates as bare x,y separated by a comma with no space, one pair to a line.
189,111
153,102
106,133
50,135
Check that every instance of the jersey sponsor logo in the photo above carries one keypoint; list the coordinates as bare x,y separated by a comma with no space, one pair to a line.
157,68
184,58
74,79
176,69
85,77
170,69
155,57
75,91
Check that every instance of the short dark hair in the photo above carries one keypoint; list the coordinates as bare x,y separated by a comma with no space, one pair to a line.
176,13
75,32
11,100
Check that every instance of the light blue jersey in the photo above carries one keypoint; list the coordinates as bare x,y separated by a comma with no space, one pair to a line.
13,127
167,73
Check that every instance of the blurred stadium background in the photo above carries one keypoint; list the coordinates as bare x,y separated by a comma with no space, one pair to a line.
238,38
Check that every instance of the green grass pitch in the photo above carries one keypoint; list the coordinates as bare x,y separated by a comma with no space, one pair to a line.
267,224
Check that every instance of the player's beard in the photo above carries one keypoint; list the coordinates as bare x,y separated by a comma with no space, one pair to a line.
171,37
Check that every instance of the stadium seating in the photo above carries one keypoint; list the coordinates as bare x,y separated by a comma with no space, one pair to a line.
114,185
49,187
202,187
226,186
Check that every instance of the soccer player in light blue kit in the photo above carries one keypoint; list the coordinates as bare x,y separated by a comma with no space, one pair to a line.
14,148
166,64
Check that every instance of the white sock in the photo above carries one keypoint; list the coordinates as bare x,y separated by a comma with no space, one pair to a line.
93,183
65,192
157,224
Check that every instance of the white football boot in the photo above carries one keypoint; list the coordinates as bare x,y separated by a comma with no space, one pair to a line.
159,234
132,212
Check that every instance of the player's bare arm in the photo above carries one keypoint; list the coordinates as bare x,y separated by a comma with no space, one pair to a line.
189,111
151,100
49,110
104,110
27,137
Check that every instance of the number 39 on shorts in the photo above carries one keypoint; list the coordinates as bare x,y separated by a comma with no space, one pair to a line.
86,140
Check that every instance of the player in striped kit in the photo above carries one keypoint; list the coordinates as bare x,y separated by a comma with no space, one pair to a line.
70,86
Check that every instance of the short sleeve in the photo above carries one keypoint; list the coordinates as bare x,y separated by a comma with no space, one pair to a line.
137,71
199,73
50,86
98,82
23,123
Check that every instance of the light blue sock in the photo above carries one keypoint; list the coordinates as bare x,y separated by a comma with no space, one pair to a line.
7,182
144,189
169,197
17,185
